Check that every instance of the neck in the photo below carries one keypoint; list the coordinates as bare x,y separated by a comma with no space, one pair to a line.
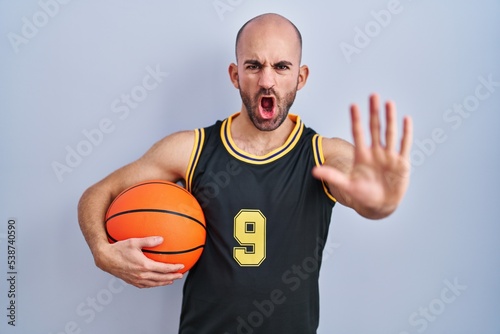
257,142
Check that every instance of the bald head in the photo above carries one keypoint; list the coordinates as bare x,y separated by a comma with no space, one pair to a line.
269,22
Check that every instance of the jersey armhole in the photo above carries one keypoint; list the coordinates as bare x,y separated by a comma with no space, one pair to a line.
319,159
199,138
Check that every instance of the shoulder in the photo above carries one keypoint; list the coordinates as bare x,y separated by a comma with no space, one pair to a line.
177,141
336,146
338,153
165,160
172,153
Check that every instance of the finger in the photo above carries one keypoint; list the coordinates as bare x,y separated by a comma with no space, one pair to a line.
357,128
151,265
391,128
149,241
163,268
155,281
157,274
157,278
407,139
375,120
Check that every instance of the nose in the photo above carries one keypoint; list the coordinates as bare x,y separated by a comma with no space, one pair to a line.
267,78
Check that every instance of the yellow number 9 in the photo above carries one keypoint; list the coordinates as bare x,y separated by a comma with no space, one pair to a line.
250,232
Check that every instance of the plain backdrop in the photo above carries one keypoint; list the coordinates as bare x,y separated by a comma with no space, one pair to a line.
67,69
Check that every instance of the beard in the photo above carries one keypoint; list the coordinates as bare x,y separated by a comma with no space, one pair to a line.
283,105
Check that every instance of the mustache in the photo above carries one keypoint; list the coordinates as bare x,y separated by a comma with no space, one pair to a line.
269,91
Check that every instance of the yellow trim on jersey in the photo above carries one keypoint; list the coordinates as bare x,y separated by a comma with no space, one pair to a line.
293,139
319,159
199,139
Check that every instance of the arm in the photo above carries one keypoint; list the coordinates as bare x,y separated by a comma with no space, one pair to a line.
166,160
371,180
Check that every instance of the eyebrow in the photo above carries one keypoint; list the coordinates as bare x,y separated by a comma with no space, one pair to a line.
256,62
252,62
283,63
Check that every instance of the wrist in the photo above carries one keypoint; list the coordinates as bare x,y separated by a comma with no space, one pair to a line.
99,252
376,212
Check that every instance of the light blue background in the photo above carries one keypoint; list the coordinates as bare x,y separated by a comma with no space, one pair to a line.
378,274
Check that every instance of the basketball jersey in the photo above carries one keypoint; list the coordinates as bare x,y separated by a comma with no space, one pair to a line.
267,223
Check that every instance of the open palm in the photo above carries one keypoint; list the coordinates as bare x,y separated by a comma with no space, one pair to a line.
379,176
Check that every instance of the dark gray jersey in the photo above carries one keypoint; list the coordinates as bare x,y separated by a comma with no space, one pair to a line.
267,223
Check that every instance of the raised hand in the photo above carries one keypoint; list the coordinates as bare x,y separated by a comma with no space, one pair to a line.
378,176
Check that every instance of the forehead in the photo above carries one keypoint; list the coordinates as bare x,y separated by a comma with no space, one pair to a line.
269,40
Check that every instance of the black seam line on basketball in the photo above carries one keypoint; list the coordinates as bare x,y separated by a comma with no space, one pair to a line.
110,237
139,185
156,210
176,252
165,183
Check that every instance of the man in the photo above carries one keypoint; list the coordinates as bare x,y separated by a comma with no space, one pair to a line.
266,228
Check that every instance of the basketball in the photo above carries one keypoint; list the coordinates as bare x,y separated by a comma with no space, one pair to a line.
159,208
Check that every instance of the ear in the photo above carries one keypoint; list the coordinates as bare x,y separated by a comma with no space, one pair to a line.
303,74
233,75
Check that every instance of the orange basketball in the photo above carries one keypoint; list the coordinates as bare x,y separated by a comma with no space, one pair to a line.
159,208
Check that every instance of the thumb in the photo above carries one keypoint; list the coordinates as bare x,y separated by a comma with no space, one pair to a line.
149,241
332,176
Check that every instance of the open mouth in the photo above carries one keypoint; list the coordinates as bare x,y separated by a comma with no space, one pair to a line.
267,107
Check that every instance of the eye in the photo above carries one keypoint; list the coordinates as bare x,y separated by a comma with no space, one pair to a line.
281,67
252,67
